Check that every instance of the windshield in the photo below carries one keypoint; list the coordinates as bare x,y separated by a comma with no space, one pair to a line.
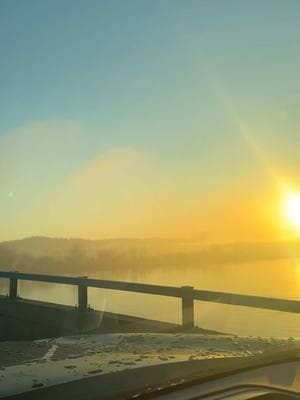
150,186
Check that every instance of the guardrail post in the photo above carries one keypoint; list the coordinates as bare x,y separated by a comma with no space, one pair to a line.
13,288
83,295
187,307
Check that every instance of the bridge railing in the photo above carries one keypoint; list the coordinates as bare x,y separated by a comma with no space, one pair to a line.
187,294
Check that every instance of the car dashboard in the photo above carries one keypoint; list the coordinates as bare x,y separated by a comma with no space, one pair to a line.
273,382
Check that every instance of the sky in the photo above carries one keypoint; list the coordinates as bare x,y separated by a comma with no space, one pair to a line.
141,118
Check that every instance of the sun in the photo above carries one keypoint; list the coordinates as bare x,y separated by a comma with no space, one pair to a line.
292,209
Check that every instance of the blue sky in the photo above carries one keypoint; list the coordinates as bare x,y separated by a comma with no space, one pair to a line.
165,79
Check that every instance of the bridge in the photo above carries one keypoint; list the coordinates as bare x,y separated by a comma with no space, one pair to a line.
187,294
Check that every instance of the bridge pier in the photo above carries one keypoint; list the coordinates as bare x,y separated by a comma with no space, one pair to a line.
187,307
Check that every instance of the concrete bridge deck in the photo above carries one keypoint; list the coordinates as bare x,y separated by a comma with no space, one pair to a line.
29,319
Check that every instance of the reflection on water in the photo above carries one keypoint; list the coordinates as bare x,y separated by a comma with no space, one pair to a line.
274,279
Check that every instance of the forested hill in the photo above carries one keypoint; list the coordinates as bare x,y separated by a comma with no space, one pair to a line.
56,255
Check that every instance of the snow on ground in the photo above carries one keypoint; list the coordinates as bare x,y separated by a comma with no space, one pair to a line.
52,361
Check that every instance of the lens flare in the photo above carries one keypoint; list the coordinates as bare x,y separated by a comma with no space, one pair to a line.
292,209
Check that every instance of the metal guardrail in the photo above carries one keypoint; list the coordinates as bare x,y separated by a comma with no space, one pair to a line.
187,293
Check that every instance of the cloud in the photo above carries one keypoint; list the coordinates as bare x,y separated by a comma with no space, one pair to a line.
103,169
53,182
103,194
36,154
32,158
60,187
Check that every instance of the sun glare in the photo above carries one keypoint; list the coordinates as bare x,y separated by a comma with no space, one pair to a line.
292,209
